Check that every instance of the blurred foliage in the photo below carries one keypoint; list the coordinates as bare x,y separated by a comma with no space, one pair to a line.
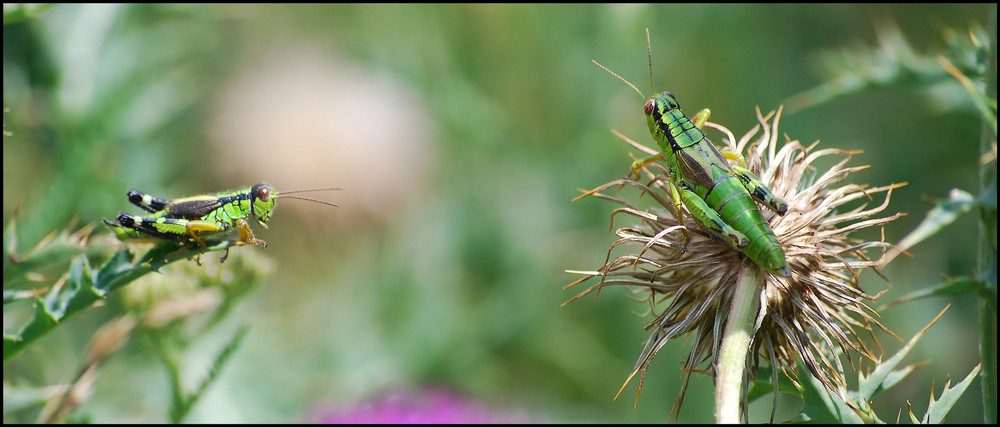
460,286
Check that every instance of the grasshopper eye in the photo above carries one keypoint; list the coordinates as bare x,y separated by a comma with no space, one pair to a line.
263,194
649,107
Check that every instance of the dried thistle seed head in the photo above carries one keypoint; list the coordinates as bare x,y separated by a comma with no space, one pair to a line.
687,275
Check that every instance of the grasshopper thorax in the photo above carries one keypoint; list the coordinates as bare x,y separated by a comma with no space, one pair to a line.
658,114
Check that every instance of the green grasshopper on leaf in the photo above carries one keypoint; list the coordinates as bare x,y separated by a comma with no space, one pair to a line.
192,219
719,195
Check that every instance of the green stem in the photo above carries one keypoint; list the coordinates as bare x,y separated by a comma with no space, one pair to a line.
988,244
736,346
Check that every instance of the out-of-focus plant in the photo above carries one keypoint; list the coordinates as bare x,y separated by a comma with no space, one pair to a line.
16,12
158,306
83,125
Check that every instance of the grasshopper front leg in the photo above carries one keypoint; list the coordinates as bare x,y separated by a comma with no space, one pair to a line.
699,121
641,163
246,235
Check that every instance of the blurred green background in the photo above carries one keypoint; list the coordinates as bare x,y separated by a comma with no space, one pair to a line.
459,133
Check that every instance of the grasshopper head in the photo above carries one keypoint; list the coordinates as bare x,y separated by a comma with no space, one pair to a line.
265,197
263,203
656,108
661,103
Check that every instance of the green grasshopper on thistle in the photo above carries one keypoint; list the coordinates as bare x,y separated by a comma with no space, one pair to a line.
719,195
192,219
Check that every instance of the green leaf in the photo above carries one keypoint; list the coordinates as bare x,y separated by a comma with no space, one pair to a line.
959,202
84,287
55,249
956,286
937,409
892,64
20,398
16,12
880,379
119,264
180,409
819,405
12,295
898,375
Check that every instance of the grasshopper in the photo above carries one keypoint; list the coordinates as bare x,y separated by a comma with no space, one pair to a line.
719,195
191,219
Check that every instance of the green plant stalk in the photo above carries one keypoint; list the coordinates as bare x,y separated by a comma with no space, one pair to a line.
986,262
736,346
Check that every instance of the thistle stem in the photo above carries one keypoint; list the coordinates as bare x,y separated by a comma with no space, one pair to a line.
736,345
987,242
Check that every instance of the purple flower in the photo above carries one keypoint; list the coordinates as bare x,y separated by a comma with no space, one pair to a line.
430,407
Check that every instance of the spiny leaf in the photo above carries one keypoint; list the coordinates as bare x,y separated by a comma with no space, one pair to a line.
181,408
12,295
821,406
56,248
893,64
84,287
937,409
952,287
870,385
898,375
959,202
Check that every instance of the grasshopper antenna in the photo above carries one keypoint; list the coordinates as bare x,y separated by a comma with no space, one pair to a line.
281,196
649,53
619,78
309,189
285,195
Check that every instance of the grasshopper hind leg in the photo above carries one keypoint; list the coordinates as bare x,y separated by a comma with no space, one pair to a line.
759,191
709,217
753,184
148,203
